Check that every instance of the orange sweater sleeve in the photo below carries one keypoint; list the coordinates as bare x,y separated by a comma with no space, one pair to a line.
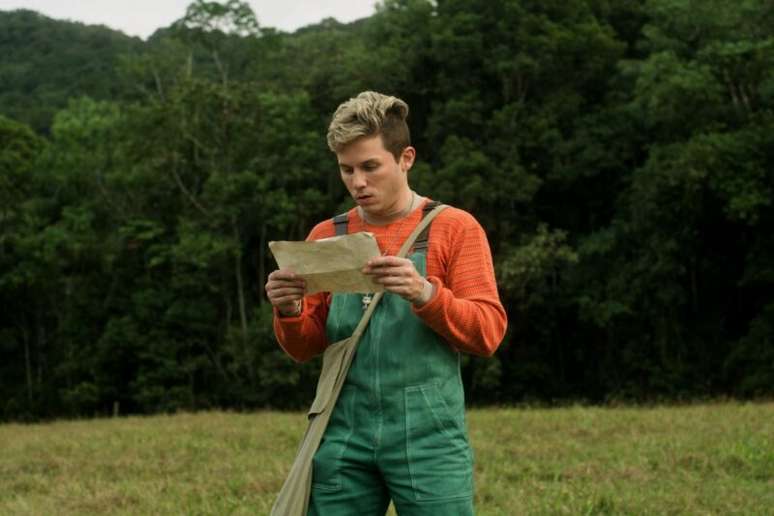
466,308
303,337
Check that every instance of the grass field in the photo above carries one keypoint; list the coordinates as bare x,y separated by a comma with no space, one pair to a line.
699,459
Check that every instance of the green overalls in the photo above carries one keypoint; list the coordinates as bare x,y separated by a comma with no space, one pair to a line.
397,430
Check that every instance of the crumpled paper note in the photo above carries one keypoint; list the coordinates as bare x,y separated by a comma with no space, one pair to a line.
331,264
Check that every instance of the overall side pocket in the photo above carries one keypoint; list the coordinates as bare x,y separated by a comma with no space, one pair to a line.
439,457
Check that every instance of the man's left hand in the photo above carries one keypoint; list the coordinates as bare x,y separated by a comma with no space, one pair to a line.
399,276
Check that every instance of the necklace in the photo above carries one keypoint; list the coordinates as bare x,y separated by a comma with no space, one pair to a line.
367,298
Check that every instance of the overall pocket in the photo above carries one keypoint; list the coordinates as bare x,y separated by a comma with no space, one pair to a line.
439,457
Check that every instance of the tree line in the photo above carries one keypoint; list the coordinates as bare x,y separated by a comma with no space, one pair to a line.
619,154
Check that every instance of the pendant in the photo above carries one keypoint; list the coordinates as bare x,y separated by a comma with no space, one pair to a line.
367,301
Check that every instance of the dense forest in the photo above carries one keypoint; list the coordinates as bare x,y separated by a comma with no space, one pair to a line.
619,153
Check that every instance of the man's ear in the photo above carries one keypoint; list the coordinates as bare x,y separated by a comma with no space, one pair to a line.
407,158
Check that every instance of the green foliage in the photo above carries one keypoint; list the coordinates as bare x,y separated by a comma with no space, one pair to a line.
531,272
231,17
618,154
749,366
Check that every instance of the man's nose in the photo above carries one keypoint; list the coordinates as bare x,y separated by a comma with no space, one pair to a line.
358,179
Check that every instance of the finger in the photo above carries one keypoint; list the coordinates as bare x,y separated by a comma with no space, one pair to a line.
386,261
378,275
285,300
287,291
389,270
393,281
284,275
394,270
281,295
282,283
276,285
401,291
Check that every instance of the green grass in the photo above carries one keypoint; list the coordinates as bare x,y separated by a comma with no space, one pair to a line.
701,459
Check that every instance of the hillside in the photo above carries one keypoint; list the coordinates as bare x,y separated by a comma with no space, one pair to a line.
43,62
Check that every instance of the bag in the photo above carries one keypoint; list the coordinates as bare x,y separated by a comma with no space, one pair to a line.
293,499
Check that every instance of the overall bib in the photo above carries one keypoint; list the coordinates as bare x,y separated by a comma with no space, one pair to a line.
397,430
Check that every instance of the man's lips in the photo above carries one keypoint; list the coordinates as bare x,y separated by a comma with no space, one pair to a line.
364,199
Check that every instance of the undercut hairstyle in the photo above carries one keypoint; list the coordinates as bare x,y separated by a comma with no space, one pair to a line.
369,114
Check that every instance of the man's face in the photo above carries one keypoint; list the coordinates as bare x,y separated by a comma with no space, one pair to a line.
375,180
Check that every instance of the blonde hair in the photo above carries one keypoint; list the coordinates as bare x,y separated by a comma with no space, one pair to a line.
369,114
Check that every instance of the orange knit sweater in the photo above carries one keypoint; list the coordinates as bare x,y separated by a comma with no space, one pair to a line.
465,309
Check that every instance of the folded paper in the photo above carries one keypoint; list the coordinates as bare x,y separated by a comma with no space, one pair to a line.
331,264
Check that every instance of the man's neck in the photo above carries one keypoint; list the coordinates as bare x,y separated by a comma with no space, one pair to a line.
409,200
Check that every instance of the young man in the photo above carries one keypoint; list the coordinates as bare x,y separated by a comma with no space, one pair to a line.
397,431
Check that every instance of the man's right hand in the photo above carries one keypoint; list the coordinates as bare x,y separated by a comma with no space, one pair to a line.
285,290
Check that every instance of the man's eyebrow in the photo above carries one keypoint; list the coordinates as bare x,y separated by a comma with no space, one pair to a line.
364,162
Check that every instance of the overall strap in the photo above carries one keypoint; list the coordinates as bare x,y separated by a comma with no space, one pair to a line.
421,243
341,223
